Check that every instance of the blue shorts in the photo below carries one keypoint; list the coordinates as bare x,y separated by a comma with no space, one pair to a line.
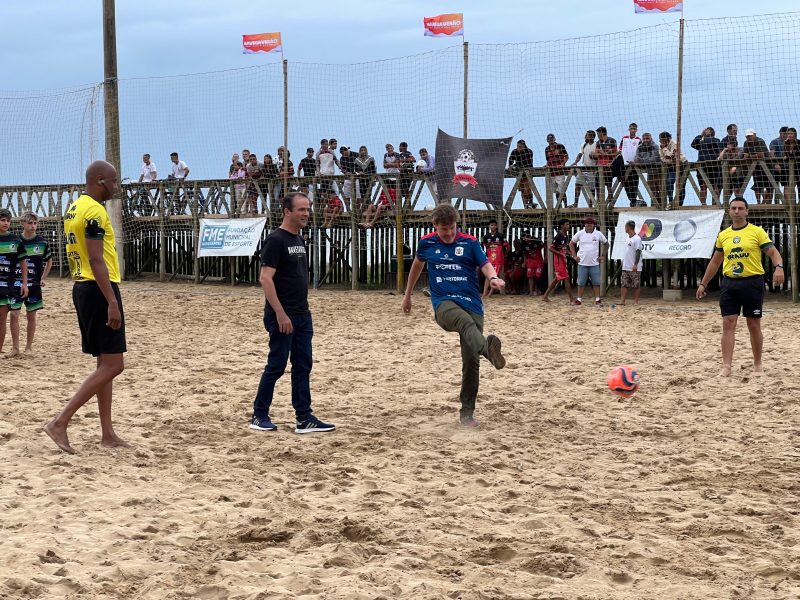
585,273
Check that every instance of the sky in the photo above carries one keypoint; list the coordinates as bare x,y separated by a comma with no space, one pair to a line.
364,72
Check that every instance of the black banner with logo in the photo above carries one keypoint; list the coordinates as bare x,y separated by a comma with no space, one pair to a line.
471,168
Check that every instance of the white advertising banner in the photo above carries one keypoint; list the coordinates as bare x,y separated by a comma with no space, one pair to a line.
670,234
230,237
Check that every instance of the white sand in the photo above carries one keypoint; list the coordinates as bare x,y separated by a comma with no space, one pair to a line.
690,490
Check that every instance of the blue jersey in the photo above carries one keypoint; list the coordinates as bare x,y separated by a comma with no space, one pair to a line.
452,270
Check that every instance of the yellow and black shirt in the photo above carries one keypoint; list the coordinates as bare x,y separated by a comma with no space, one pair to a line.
742,249
87,219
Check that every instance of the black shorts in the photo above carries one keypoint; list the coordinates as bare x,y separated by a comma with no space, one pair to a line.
745,296
96,337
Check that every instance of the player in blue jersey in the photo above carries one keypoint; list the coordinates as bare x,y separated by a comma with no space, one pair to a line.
453,259
40,260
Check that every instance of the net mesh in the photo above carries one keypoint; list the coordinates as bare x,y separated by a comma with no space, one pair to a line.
736,70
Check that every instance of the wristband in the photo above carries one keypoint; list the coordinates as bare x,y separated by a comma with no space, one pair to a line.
493,278
701,283
778,266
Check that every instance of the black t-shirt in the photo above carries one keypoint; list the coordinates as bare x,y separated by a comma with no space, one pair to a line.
286,252
560,241
348,164
309,166
521,159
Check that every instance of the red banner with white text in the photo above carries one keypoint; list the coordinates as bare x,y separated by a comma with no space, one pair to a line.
261,42
658,6
444,25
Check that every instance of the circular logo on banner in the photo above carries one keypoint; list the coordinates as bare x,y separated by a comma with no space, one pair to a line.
684,230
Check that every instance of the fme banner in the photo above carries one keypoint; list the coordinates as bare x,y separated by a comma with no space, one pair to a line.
230,237
670,234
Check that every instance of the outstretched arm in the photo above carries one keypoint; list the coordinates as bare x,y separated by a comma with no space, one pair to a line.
413,277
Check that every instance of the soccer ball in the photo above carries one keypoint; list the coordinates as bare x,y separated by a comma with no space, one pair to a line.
623,381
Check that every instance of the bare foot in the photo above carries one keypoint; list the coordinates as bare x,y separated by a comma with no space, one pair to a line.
725,371
28,349
59,436
13,352
114,441
758,371
620,304
545,299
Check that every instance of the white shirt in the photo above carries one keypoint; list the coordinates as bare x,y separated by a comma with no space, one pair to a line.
628,146
327,163
632,244
589,247
586,150
179,169
149,172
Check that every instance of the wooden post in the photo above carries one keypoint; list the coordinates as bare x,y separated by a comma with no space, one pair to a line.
285,157
792,202
355,239
401,263
162,234
466,124
111,117
548,226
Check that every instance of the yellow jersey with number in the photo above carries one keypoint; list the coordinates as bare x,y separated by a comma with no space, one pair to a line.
87,219
742,249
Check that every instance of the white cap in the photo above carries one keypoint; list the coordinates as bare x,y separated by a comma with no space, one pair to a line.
749,132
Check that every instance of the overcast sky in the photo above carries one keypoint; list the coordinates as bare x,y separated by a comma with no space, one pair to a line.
743,70
47,44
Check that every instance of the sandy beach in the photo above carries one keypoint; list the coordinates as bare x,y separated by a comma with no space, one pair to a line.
689,490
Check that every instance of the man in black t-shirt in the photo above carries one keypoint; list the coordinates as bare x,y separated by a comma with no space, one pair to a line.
308,167
287,318
521,158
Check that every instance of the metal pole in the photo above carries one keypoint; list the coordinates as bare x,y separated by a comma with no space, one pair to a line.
466,124
111,116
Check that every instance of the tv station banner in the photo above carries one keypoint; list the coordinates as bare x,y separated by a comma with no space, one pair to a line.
670,234
262,42
658,7
444,25
471,168
230,237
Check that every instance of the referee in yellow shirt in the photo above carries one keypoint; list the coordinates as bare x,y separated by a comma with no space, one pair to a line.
739,249
94,265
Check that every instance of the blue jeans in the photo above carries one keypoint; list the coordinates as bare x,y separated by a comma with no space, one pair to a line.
281,346
671,187
585,273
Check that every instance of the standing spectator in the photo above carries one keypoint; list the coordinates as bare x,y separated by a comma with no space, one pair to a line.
149,170
365,168
407,161
534,262
515,267
589,176
556,156
755,149
333,145
255,171
285,170
732,155
493,242
308,168
521,159
391,164
667,151
591,251
708,148
234,165
648,157
791,150
559,250
179,168
605,153
430,162
269,169
631,265
347,164
287,318
627,149
238,175
732,130
326,167
245,156
776,151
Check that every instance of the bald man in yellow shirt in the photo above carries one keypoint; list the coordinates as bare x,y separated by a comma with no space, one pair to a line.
739,250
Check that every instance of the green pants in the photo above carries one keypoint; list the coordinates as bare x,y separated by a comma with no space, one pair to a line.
469,325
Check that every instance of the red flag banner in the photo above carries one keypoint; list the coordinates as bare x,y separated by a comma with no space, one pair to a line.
658,6
261,42
444,25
